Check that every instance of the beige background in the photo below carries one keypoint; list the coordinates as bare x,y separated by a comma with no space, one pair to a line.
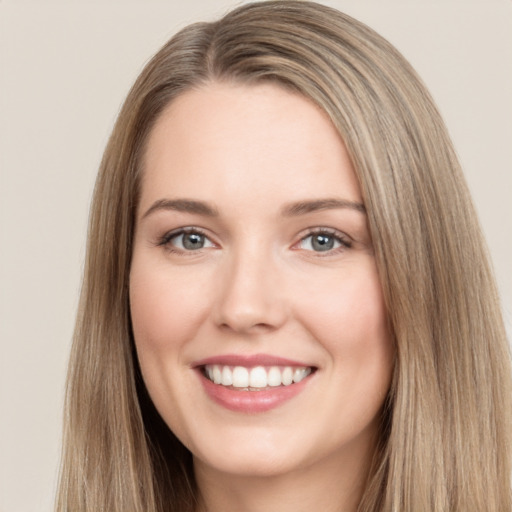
66,66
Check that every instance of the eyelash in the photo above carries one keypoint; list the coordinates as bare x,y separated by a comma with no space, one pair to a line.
165,241
341,238
344,241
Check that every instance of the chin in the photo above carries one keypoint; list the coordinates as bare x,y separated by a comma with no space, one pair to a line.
258,464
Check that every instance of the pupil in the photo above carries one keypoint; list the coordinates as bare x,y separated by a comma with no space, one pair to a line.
193,241
323,242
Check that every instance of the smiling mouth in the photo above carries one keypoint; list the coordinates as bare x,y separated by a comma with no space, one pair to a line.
257,378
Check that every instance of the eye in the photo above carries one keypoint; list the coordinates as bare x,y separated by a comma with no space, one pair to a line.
186,240
323,241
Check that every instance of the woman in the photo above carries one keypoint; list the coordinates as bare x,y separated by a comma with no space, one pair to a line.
287,300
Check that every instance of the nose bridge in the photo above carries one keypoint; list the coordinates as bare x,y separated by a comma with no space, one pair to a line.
250,297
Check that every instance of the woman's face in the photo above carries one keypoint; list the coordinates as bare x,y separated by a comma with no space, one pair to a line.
257,311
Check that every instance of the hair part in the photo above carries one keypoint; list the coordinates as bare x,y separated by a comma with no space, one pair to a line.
445,442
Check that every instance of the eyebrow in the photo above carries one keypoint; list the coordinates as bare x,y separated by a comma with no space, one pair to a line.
304,207
289,210
183,205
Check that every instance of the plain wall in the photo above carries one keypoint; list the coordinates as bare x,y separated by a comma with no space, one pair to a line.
65,68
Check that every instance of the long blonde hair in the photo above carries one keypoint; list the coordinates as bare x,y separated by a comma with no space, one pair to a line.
445,441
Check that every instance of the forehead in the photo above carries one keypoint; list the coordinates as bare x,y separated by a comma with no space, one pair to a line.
246,140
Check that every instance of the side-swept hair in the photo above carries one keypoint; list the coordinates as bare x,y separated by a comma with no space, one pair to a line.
445,443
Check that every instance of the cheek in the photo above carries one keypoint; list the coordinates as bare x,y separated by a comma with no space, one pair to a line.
348,304
166,309
166,313
348,317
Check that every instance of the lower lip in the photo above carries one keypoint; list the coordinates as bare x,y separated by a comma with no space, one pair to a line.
252,401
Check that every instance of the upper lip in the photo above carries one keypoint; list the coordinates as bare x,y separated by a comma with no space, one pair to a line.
249,361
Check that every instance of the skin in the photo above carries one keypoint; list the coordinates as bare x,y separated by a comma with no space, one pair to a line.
258,286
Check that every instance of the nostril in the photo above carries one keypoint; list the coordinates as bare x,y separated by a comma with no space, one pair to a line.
241,324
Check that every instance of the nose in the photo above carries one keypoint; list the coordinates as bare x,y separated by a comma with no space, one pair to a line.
250,299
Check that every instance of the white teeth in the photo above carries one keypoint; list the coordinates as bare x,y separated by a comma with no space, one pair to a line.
217,374
258,377
300,373
227,376
240,377
274,376
287,376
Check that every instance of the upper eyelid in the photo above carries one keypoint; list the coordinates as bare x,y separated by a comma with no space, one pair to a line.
186,229
330,231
